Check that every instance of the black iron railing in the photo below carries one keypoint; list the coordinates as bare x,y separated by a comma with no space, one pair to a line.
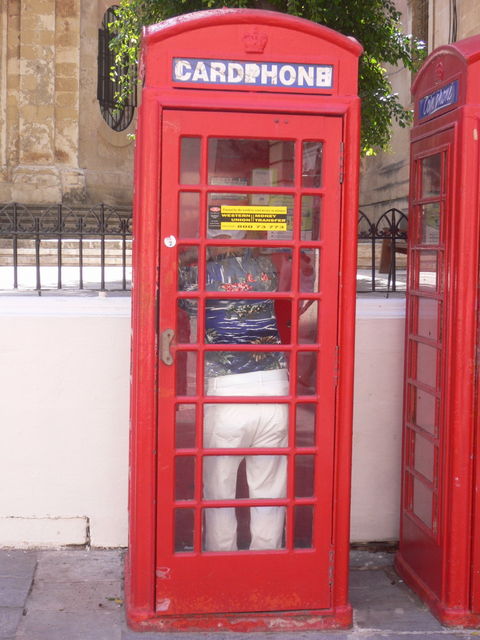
382,248
47,248
61,247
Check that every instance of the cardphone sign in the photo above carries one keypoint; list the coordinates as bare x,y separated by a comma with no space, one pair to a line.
241,72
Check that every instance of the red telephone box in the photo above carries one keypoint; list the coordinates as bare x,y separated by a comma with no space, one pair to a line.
439,553
243,324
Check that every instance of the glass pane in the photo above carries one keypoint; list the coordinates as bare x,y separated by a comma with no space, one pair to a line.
256,216
184,478
424,457
237,269
311,217
304,472
309,270
185,426
307,373
271,364
423,502
303,527
246,322
305,425
190,161
188,214
186,373
188,269
227,478
312,153
283,314
308,321
184,526
431,176
427,365
287,203
430,223
186,321
424,414
236,161
225,528
428,270
243,426
428,318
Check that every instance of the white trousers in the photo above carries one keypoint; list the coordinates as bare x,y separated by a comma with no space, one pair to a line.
241,426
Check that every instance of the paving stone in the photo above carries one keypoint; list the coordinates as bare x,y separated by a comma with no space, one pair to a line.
377,587
76,596
9,620
15,563
396,618
43,625
73,566
14,591
367,560
128,634
443,635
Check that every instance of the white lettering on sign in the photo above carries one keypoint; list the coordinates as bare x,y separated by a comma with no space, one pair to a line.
445,97
263,74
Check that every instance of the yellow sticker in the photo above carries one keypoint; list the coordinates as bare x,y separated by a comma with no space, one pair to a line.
253,218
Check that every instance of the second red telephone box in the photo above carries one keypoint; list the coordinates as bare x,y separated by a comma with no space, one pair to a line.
243,320
439,552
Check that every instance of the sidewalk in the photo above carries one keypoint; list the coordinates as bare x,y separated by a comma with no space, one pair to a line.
78,595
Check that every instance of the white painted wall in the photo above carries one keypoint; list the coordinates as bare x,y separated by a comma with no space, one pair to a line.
377,422
64,375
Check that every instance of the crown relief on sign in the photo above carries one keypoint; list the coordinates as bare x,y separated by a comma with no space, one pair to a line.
255,41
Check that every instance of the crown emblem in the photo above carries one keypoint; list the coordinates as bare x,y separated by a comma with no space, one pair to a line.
439,72
254,41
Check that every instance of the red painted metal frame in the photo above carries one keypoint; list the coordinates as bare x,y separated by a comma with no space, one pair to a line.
444,569
189,35
290,576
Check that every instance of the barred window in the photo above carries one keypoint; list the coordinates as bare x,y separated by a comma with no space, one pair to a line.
420,20
116,118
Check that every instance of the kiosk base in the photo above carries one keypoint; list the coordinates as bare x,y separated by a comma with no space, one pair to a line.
340,618
448,616
146,619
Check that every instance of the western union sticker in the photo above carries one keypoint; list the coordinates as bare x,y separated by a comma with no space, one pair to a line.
250,218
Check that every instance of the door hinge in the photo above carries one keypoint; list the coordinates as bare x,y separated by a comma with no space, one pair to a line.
331,567
336,365
342,162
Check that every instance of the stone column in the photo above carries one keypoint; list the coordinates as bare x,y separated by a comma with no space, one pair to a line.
9,82
47,170
67,90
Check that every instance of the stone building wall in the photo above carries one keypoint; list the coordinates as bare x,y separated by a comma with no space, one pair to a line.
384,178
54,143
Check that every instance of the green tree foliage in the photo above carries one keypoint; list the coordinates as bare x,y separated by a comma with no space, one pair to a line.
374,23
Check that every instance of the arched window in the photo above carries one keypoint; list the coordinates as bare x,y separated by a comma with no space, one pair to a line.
420,20
116,118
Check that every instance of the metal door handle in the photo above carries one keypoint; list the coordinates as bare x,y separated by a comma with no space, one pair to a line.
165,342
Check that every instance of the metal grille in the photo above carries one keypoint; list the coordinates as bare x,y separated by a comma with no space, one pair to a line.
107,87
63,248
380,244
89,249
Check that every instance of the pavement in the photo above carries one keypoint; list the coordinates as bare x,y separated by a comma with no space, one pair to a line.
78,595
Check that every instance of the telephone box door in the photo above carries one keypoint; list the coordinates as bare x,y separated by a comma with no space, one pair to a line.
425,436
249,239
